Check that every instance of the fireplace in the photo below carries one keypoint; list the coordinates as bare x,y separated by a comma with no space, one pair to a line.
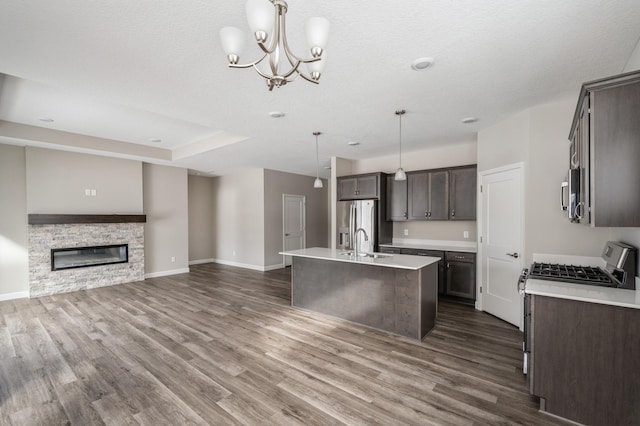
60,246
83,257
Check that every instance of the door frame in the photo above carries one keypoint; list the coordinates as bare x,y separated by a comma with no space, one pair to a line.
304,222
480,264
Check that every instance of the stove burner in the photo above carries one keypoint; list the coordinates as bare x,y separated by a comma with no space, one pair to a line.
570,273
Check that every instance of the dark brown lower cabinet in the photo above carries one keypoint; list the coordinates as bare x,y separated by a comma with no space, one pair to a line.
585,360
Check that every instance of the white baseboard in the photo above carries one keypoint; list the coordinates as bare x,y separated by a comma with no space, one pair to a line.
247,266
201,261
13,296
165,273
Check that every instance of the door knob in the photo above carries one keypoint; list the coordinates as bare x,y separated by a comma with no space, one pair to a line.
514,255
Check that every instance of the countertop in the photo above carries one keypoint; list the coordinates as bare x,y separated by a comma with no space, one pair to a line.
584,293
399,261
460,246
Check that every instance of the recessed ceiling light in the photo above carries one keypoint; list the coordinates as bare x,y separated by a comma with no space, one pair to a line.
469,120
276,114
46,119
353,143
155,140
421,64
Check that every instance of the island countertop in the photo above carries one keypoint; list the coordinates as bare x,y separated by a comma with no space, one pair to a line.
399,261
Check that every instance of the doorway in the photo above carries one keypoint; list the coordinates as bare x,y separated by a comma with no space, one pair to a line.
502,241
293,224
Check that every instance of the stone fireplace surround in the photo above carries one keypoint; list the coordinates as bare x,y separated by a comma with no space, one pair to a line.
66,231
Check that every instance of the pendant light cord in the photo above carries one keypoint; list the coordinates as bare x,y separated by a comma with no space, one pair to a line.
400,153
317,160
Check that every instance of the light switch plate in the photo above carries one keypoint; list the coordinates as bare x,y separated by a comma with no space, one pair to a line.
87,192
93,192
466,234
406,232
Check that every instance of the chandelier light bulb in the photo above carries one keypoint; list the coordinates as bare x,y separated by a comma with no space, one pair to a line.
317,183
317,32
232,41
260,18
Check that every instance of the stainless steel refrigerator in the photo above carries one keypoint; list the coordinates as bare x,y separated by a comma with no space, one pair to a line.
352,215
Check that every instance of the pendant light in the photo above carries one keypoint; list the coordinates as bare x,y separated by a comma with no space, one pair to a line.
400,174
318,182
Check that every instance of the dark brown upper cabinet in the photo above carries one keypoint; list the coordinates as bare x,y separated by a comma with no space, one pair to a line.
428,195
396,199
360,187
606,134
462,193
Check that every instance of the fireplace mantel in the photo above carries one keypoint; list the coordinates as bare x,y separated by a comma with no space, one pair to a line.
61,219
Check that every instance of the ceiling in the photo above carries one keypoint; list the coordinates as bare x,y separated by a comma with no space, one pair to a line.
136,71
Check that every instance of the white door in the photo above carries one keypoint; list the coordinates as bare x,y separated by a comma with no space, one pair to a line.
293,207
502,242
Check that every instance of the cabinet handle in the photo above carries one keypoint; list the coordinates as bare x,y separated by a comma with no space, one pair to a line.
453,213
429,214
405,215
426,214
448,265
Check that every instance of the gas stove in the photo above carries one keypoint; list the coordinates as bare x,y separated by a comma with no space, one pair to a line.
620,270
592,275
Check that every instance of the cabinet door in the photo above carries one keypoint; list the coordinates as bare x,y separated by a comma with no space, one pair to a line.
438,195
461,279
418,191
396,199
389,250
583,133
347,188
462,196
367,187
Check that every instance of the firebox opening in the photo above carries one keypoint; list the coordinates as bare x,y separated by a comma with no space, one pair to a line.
81,257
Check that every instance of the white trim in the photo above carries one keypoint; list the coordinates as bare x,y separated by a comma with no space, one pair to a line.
248,266
12,296
201,261
165,273
479,260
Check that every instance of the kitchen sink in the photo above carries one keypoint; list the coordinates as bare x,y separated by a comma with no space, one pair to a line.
372,255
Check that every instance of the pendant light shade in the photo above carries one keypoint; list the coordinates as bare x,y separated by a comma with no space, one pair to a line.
318,182
400,174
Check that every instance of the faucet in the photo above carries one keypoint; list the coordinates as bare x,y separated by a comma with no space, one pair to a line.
355,237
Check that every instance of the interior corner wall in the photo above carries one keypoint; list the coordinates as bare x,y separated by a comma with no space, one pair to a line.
634,60
201,230
14,260
430,158
538,137
339,167
276,184
167,228
238,219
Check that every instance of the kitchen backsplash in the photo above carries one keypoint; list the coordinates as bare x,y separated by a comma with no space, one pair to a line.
436,230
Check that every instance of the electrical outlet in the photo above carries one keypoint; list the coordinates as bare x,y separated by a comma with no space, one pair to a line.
465,234
173,258
406,232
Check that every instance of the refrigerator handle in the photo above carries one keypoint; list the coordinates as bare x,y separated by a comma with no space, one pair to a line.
352,218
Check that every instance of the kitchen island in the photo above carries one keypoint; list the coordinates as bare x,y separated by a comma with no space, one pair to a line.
394,293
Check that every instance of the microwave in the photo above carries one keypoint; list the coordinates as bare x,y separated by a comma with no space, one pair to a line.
570,196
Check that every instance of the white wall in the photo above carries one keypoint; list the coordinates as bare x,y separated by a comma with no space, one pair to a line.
634,60
238,219
276,184
14,261
167,227
200,218
56,183
431,158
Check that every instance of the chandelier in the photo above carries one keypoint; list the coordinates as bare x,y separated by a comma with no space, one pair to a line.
267,22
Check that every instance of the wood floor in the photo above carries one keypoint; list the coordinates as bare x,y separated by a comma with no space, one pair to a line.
222,346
